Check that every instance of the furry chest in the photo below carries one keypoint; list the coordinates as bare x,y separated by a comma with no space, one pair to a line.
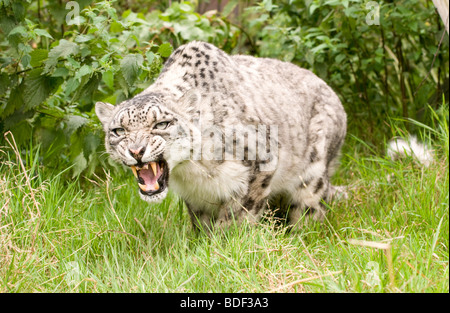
208,184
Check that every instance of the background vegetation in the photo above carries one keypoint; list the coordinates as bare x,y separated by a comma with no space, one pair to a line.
58,232
55,65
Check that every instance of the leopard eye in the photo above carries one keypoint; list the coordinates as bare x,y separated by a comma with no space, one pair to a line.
118,132
162,125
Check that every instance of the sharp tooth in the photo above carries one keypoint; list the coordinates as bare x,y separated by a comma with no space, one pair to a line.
161,167
145,167
153,165
156,185
133,168
143,187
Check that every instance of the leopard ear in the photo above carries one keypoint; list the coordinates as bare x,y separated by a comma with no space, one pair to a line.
104,112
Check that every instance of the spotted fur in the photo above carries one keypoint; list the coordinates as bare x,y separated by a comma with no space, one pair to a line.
203,89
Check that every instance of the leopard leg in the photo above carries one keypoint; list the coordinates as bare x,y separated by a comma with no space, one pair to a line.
307,202
249,207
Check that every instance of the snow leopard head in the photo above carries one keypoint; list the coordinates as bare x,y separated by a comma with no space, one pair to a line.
147,136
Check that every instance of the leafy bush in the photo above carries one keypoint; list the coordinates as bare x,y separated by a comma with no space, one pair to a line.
377,70
57,64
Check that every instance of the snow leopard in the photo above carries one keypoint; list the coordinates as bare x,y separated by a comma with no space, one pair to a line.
232,135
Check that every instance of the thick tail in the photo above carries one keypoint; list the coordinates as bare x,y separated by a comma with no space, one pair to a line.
398,148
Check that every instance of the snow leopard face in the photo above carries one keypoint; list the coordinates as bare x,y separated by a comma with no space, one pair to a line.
141,133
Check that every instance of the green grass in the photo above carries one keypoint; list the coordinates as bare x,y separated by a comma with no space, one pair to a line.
390,235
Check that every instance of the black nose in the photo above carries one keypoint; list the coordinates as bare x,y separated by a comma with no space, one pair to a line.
137,152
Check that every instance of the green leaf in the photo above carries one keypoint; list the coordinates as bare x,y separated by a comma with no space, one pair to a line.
71,85
130,65
123,84
231,5
38,56
84,70
42,32
165,50
340,57
18,9
186,7
25,60
108,78
79,164
92,85
116,27
150,57
4,62
7,23
60,72
4,83
15,101
73,63
91,142
21,30
62,50
268,5
83,38
73,122
38,87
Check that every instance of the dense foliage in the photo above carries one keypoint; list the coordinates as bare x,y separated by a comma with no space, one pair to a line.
58,58
374,54
56,64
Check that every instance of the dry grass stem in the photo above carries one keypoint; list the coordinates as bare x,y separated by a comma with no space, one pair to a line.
304,280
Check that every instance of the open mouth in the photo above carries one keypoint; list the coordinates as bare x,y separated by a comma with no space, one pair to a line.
152,177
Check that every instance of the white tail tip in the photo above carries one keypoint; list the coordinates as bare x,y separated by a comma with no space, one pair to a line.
399,148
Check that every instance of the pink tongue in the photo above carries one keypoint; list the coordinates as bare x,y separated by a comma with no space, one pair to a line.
149,178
